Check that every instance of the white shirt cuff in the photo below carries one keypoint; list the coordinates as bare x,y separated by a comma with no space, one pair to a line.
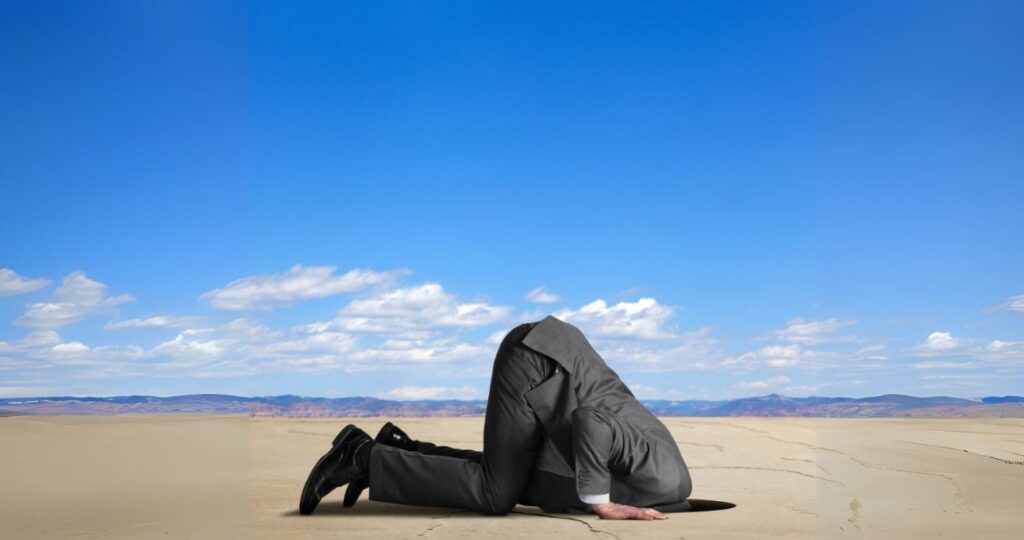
595,499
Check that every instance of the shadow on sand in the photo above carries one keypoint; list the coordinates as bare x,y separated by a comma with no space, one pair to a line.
376,508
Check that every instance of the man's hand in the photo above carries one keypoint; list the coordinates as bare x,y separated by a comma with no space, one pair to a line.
611,510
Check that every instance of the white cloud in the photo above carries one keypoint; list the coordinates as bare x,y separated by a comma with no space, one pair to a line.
642,391
935,364
634,336
31,341
24,391
642,319
957,352
243,346
434,352
809,345
77,296
37,339
426,306
806,332
50,315
775,356
781,356
940,341
11,283
541,295
299,283
687,351
999,345
323,342
763,384
496,337
157,321
1003,352
44,349
1015,303
70,348
188,346
433,392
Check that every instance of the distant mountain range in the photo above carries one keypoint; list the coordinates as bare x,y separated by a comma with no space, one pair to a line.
889,405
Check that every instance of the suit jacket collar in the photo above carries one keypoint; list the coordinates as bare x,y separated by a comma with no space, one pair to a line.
556,339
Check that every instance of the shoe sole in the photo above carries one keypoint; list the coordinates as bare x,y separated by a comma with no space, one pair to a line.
306,498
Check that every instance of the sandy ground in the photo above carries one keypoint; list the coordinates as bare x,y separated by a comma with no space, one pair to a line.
239,477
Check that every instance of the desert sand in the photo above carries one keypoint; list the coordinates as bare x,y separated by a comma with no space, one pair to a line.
192,476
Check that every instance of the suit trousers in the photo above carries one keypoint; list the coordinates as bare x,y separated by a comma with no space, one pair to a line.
491,481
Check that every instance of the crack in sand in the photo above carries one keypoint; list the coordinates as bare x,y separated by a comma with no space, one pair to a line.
431,528
802,511
1006,461
770,469
577,520
767,434
972,432
718,447
816,464
325,435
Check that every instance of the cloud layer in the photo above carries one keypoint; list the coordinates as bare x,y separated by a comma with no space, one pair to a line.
384,328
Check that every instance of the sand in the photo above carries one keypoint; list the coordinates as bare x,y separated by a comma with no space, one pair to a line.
166,476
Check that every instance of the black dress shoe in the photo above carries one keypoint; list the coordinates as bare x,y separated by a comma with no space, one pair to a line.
337,467
392,436
389,435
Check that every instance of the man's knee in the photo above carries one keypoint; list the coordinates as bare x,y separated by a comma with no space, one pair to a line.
686,489
500,505
518,365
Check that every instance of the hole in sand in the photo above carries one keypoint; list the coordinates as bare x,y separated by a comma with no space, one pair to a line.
707,505
375,508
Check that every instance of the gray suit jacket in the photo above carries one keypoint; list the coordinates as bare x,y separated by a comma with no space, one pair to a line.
585,380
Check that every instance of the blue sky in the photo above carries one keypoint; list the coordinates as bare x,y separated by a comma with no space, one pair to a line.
730,199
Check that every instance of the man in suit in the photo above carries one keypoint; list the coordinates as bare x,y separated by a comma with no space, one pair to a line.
561,432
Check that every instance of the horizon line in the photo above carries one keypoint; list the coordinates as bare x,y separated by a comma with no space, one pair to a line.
70,396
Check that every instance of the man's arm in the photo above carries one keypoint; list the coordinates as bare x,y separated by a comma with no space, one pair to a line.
595,444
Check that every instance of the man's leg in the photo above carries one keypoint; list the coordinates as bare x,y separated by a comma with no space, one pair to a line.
432,449
512,438
604,445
